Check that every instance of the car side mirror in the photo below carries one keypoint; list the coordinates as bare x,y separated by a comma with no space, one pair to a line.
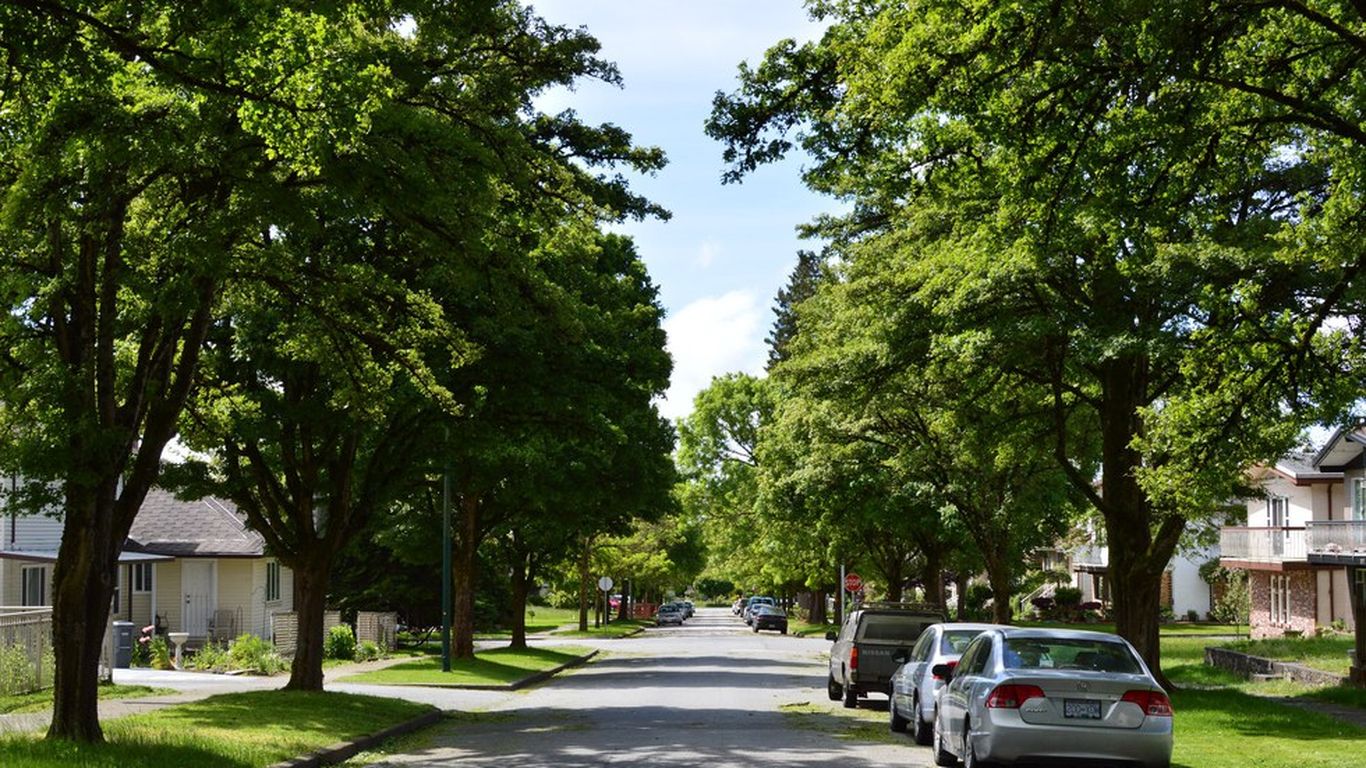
943,671
901,655
831,636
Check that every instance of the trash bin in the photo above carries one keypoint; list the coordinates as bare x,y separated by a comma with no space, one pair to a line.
123,644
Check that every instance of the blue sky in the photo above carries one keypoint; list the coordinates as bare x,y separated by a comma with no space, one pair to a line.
728,249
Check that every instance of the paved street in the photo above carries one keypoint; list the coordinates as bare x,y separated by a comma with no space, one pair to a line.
711,693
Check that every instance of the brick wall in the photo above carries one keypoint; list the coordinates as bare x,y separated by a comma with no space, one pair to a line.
1303,604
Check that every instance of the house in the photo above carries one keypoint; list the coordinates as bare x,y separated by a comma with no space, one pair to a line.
1289,592
1183,589
190,566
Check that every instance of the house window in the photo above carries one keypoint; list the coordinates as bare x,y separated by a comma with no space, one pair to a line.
272,581
1280,600
1277,511
142,577
34,586
1359,498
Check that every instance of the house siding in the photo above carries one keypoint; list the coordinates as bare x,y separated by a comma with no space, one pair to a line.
166,577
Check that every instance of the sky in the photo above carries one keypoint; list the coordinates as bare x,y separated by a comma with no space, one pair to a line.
721,258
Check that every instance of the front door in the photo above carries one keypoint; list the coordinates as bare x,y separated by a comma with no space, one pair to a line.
199,598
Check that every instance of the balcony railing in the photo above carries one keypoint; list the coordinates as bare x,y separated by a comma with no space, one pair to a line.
1263,545
1338,537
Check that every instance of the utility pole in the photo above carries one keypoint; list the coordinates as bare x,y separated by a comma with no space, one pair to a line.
446,565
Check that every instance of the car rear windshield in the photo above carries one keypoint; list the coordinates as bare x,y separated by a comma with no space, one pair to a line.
893,628
1054,653
955,641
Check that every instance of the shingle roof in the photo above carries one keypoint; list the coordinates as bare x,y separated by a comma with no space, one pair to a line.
207,527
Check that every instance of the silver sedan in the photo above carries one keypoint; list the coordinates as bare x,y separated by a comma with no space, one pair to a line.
915,686
1050,695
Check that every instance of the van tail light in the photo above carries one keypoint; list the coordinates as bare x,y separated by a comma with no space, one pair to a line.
952,665
853,658
1153,703
1011,695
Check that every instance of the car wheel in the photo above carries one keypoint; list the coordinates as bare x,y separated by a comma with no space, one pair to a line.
756,629
969,752
850,697
783,630
894,719
924,732
834,689
942,756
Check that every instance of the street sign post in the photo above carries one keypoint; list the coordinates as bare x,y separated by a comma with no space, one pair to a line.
605,583
853,582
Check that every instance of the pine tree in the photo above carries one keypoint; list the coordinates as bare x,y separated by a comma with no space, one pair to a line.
801,284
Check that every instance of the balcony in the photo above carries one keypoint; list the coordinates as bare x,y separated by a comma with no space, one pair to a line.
1338,542
1271,546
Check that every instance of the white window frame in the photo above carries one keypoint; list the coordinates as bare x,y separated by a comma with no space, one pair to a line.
1280,600
272,581
1274,502
142,578
27,576
1358,510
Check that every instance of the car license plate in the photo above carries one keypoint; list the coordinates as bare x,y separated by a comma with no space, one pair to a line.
1083,709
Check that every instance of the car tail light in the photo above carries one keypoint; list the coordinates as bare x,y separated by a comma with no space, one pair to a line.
952,665
1153,703
1011,696
853,658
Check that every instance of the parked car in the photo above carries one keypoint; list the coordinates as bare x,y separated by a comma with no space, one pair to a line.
755,602
861,658
688,608
1051,695
914,685
669,614
769,617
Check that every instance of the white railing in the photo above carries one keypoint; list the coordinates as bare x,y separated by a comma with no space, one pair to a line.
1338,537
1263,545
25,649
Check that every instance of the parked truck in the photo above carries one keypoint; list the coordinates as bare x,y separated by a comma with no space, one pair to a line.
861,659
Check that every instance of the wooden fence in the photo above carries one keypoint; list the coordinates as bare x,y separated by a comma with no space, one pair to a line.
25,649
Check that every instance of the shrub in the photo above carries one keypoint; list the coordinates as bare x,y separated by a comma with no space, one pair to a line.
142,653
1235,604
251,653
211,658
160,652
17,674
1067,597
1192,615
368,651
341,643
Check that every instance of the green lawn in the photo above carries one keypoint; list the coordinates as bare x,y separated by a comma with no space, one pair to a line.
608,631
238,730
41,701
1227,728
499,666
1182,628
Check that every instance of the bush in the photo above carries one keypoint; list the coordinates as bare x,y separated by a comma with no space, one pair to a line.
368,651
17,674
160,651
341,643
1234,605
211,658
251,653
142,653
1067,597
1192,615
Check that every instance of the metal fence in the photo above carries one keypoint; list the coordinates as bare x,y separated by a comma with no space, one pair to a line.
1338,537
25,649
1263,545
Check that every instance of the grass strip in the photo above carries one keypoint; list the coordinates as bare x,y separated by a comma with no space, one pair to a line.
236,730
614,630
499,666
1324,653
41,701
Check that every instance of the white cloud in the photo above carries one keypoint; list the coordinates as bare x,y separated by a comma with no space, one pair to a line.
707,254
711,337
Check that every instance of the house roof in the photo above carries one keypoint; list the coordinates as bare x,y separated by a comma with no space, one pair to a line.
208,527
1342,448
1301,469
50,556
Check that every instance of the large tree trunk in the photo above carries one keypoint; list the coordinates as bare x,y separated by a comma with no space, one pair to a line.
962,579
519,593
817,606
310,598
933,576
998,577
81,592
463,575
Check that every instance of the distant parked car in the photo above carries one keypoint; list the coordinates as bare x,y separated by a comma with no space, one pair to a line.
1045,696
669,614
769,617
754,602
861,658
914,685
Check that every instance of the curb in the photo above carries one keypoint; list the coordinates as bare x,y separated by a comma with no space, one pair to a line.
345,750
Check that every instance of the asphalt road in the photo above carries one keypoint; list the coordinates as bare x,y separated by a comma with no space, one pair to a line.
710,693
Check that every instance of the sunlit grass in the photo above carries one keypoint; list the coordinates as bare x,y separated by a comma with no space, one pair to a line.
498,666
237,730
41,701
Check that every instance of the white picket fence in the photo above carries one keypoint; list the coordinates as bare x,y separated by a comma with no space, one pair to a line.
25,649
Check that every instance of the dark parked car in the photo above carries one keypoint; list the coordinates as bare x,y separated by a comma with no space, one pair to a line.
861,659
769,617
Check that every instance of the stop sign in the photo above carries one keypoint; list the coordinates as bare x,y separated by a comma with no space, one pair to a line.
853,582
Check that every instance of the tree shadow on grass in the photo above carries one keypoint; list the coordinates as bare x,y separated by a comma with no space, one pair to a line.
27,752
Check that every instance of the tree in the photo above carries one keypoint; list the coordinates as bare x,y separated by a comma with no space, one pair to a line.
801,285
1126,201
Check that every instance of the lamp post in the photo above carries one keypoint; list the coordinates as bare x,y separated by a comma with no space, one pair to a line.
446,562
